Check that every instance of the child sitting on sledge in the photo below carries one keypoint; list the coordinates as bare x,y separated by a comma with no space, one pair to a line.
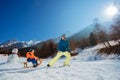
32,58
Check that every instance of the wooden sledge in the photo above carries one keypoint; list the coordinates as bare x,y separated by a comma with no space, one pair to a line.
26,63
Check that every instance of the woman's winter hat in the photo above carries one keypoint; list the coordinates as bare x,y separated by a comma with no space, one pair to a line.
15,50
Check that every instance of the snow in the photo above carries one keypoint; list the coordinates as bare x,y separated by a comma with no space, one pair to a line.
78,70
25,43
91,54
99,46
8,43
32,42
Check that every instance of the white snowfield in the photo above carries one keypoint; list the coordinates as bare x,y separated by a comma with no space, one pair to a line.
78,70
85,66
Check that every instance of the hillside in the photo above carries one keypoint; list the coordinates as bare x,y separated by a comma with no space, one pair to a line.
87,30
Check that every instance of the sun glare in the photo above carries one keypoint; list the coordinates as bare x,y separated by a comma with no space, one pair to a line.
111,11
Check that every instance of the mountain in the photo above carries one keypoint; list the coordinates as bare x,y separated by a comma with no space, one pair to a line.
8,43
18,44
32,43
83,33
87,30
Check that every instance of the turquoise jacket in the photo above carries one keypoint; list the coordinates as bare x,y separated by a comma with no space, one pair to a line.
63,45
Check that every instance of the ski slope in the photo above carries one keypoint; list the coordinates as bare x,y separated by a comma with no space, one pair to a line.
79,70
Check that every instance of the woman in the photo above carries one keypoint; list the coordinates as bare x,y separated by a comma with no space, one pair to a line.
63,49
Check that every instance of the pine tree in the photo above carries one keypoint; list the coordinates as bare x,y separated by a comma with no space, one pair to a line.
92,39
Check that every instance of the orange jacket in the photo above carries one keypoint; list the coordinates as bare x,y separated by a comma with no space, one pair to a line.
31,55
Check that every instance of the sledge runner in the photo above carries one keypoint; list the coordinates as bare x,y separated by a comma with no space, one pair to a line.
63,49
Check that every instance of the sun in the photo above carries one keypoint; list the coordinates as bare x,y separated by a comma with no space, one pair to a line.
111,11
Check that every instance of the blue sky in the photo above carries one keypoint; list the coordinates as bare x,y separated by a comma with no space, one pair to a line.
45,19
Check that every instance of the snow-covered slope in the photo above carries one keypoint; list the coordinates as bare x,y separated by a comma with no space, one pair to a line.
78,70
91,54
87,65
